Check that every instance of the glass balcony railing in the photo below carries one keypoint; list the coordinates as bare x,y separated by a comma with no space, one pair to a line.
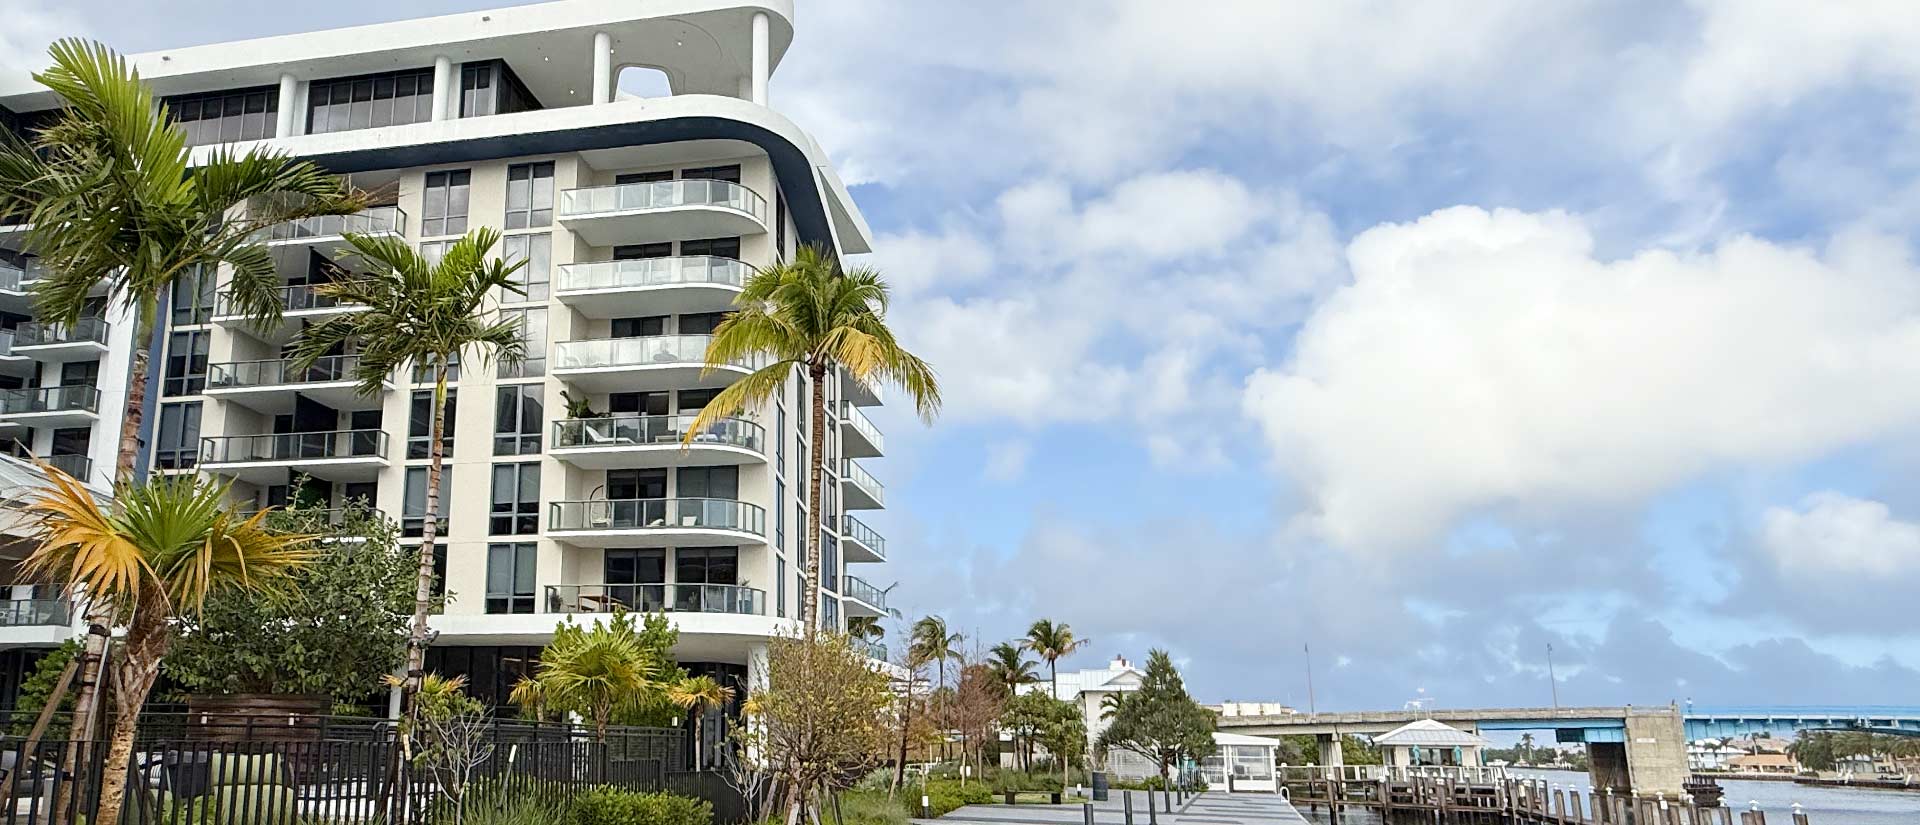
6,344
78,466
49,399
293,446
856,588
642,351
852,415
876,651
648,272
858,477
34,334
852,529
666,194
684,598
637,430
35,612
658,514
313,519
292,298
11,277
372,221
280,372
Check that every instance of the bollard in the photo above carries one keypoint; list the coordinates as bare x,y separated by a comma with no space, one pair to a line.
1166,798
1799,816
1153,811
1086,812
1126,805
926,806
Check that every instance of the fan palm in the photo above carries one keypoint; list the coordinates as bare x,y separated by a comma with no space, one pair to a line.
930,642
154,554
595,672
866,628
421,315
699,694
1052,642
809,314
1010,666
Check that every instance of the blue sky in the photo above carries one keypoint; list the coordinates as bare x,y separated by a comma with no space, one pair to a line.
1429,334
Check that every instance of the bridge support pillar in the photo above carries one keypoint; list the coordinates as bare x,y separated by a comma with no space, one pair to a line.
1330,750
1657,753
1607,767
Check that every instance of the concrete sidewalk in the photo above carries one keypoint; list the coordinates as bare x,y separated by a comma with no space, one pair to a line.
1212,808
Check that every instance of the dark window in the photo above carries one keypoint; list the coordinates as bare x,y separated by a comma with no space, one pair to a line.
177,440
186,363
779,227
780,587
533,330
443,209
420,423
510,575
422,374
780,438
717,247
636,566
693,401
730,173
830,563
624,485
779,515
703,565
490,88
224,117
516,500
371,101
192,299
645,250
637,403
517,416
529,195
413,508
709,482
642,177
701,323
81,374
636,327
537,251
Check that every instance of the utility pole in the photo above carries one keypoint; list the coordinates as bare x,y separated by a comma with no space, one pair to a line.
1553,682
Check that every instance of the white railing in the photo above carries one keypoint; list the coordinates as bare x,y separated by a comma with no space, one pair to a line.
666,194
861,425
653,272
642,351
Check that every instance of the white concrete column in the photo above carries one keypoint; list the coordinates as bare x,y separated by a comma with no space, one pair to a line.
762,57
288,106
602,68
443,86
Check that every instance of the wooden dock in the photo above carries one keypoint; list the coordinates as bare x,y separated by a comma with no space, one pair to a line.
1490,797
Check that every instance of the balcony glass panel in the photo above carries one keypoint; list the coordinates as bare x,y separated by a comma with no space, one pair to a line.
294,446
49,399
853,529
858,589
646,272
689,598
853,416
664,194
376,220
857,475
32,334
636,430
658,514
638,352
279,371
292,298
78,466
35,612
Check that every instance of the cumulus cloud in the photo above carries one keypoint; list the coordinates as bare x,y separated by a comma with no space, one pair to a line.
1007,460
1833,534
1489,361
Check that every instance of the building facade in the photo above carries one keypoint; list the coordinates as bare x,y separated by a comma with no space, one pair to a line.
567,490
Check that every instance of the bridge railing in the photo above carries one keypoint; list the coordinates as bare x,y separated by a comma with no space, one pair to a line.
1469,774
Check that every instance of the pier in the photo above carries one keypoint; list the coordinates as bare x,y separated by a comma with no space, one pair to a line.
1489,796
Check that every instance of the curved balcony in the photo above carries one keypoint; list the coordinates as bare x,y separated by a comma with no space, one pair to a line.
859,543
271,386
327,233
653,598
338,455
858,437
50,406
671,210
861,491
651,286
59,343
655,441
862,599
656,522
649,362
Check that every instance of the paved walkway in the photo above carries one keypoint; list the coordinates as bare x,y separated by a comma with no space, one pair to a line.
1213,808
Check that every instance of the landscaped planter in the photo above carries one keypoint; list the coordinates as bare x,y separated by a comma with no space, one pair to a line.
256,717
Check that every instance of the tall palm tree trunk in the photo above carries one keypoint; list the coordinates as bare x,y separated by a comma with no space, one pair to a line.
148,639
1053,668
816,456
429,529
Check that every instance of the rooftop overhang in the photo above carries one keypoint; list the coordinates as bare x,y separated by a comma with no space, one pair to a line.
703,46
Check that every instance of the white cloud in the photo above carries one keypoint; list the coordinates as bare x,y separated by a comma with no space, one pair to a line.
1007,460
1490,361
1833,535
30,26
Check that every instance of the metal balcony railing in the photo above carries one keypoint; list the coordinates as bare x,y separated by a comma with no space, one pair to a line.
49,399
370,221
35,334
666,194
292,298
658,514
853,530
854,587
683,598
35,612
277,372
293,446
639,351
653,272
666,430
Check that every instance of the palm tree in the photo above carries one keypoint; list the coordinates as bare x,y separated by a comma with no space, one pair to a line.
1053,642
156,553
1010,666
1110,705
867,628
111,198
810,314
932,643
699,694
594,671
421,315
1526,748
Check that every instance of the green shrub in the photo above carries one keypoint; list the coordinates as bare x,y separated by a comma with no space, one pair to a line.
866,807
525,811
613,806
946,795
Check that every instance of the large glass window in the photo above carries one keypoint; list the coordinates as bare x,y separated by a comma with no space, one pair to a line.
529,195
420,423
517,417
510,574
636,327
516,500
703,565
186,363
729,173
537,251
533,330
709,482
176,443
192,299
370,101
780,587
701,323
413,508
443,209
780,439
717,247
224,117
780,515
829,563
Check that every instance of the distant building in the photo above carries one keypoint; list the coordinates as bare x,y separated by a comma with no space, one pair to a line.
1253,709
1710,754
1777,763
1429,743
1092,691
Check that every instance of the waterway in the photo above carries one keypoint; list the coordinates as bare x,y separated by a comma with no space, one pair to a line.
1824,806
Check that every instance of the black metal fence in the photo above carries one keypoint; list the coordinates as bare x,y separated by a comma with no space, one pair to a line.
221,772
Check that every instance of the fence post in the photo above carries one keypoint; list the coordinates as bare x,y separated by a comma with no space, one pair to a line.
1086,812
1126,805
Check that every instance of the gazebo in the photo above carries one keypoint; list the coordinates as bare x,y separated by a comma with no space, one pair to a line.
1428,743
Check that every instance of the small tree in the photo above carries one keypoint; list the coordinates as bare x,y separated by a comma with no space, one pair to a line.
1160,721
820,721
699,694
977,703
449,735
1031,718
595,672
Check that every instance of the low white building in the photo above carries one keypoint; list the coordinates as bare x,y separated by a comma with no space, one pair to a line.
1428,743
1241,763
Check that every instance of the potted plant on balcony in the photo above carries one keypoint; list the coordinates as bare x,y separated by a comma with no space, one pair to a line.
282,661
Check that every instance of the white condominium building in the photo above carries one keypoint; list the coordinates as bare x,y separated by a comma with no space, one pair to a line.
638,218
